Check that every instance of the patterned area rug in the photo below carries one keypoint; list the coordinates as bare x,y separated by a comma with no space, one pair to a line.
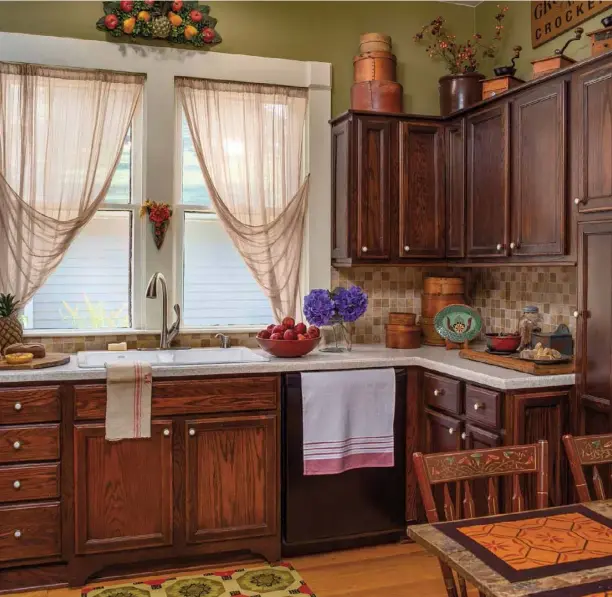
268,581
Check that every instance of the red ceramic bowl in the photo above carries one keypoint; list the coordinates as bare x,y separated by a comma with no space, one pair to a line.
503,343
288,348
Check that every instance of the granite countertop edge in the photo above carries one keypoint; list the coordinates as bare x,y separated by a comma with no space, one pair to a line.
362,357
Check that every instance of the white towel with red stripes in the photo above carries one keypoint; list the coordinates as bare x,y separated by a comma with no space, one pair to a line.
128,401
348,420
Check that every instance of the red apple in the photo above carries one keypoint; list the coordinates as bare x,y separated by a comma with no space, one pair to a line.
126,5
276,337
289,323
303,337
290,335
177,5
208,35
279,329
195,16
313,331
271,327
149,3
111,21
301,328
264,334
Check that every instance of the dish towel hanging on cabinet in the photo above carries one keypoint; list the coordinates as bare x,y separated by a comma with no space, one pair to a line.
348,420
128,401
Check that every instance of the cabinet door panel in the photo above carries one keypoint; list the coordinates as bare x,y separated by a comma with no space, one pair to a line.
442,433
488,206
455,189
592,138
538,175
232,477
421,191
373,188
340,189
123,490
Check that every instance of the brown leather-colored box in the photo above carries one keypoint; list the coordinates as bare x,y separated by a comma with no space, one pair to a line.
497,85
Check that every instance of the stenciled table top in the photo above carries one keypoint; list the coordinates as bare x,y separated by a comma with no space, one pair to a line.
571,568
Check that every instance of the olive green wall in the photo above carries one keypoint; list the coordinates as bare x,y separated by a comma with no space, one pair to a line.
320,31
518,32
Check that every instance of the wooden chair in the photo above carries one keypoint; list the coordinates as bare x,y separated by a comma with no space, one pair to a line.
462,468
588,450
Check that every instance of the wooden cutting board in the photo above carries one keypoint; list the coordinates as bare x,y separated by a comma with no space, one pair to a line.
511,362
52,359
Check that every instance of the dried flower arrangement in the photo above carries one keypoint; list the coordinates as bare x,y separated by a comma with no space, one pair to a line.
460,58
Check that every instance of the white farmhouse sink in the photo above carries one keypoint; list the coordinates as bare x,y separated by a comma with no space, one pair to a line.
169,358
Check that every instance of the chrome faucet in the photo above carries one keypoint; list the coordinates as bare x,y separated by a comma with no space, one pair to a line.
225,341
167,335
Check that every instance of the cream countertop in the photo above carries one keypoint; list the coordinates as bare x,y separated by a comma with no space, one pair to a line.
362,357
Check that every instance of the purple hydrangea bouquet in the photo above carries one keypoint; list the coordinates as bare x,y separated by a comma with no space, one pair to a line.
335,309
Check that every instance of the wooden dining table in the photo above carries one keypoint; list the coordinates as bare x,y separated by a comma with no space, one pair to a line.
554,552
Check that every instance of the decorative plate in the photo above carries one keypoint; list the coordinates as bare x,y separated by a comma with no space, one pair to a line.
458,323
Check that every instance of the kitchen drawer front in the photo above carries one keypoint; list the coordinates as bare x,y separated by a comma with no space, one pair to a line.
442,392
483,406
29,444
190,397
29,532
29,405
29,482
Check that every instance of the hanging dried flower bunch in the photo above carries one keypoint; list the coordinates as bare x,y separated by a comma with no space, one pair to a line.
460,58
159,215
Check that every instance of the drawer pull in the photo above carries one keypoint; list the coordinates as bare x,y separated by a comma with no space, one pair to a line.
364,249
478,406
16,484
451,430
192,432
406,248
17,445
438,392
166,432
499,247
17,534
18,406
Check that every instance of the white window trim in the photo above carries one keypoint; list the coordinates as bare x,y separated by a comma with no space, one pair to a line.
161,175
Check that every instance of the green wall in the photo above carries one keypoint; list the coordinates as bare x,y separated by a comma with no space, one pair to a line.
320,31
518,32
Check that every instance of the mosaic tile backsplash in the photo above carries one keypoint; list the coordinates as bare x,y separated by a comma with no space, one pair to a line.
498,293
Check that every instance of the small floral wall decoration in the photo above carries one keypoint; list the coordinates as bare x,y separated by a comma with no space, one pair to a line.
178,22
159,215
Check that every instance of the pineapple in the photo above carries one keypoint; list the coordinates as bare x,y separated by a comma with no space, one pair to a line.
161,27
11,330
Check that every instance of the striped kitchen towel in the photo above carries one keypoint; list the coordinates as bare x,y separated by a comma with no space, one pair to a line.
348,420
128,400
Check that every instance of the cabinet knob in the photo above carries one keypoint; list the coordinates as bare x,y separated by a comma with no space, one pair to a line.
364,249
512,245
478,406
406,248
451,430
464,435
16,484
577,201
576,313
166,432
499,247
192,432
16,445
17,534
438,392
18,406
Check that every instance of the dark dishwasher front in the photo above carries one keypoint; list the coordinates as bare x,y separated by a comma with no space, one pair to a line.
359,507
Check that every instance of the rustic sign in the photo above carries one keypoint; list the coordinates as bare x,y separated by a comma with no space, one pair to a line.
550,19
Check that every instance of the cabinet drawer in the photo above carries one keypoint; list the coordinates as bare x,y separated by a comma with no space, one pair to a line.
442,392
29,482
28,532
483,406
200,396
27,444
29,405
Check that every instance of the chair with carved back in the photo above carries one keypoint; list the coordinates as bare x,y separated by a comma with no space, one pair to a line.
584,451
460,469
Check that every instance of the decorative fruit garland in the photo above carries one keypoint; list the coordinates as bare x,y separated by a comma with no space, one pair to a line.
159,215
178,22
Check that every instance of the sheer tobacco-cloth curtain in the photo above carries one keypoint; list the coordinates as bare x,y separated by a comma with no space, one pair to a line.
61,137
249,141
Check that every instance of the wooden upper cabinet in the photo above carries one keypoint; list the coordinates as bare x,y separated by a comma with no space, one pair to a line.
373,190
340,189
231,480
455,189
592,138
488,207
539,148
123,490
421,190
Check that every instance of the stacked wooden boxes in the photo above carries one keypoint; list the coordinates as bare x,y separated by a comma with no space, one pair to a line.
375,88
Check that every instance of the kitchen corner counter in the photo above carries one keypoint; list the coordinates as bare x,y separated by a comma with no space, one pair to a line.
362,357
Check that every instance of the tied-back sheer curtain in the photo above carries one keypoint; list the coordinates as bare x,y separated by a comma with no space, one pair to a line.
61,137
249,141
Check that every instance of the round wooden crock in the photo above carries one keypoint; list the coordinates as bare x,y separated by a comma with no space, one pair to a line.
377,96
374,66
374,42
459,91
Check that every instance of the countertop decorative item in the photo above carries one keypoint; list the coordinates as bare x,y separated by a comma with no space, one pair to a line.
544,356
159,215
177,22
545,66
458,324
289,339
561,339
11,330
462,87
503,343
529,322
504,78
335,311
437,294
401,331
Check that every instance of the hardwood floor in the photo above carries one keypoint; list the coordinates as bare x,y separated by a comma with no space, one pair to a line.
390,570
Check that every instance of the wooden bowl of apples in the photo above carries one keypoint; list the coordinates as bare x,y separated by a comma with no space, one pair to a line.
288,339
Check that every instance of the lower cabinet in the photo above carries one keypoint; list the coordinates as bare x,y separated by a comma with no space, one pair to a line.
442,433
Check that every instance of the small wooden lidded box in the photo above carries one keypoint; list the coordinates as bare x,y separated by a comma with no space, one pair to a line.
601,41
545,66
497,85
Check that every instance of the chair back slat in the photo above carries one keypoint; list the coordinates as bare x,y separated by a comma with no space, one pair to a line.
588,450
518,502
492,504
449,508
469,508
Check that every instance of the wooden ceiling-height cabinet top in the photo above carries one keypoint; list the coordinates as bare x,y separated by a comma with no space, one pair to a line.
455,189
421,203
539,148
488,205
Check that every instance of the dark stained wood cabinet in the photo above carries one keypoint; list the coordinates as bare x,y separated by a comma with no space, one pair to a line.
421,203
455,189
539,148
488,193
442,432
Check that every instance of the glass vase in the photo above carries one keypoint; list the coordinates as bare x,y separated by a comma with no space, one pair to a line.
337,337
